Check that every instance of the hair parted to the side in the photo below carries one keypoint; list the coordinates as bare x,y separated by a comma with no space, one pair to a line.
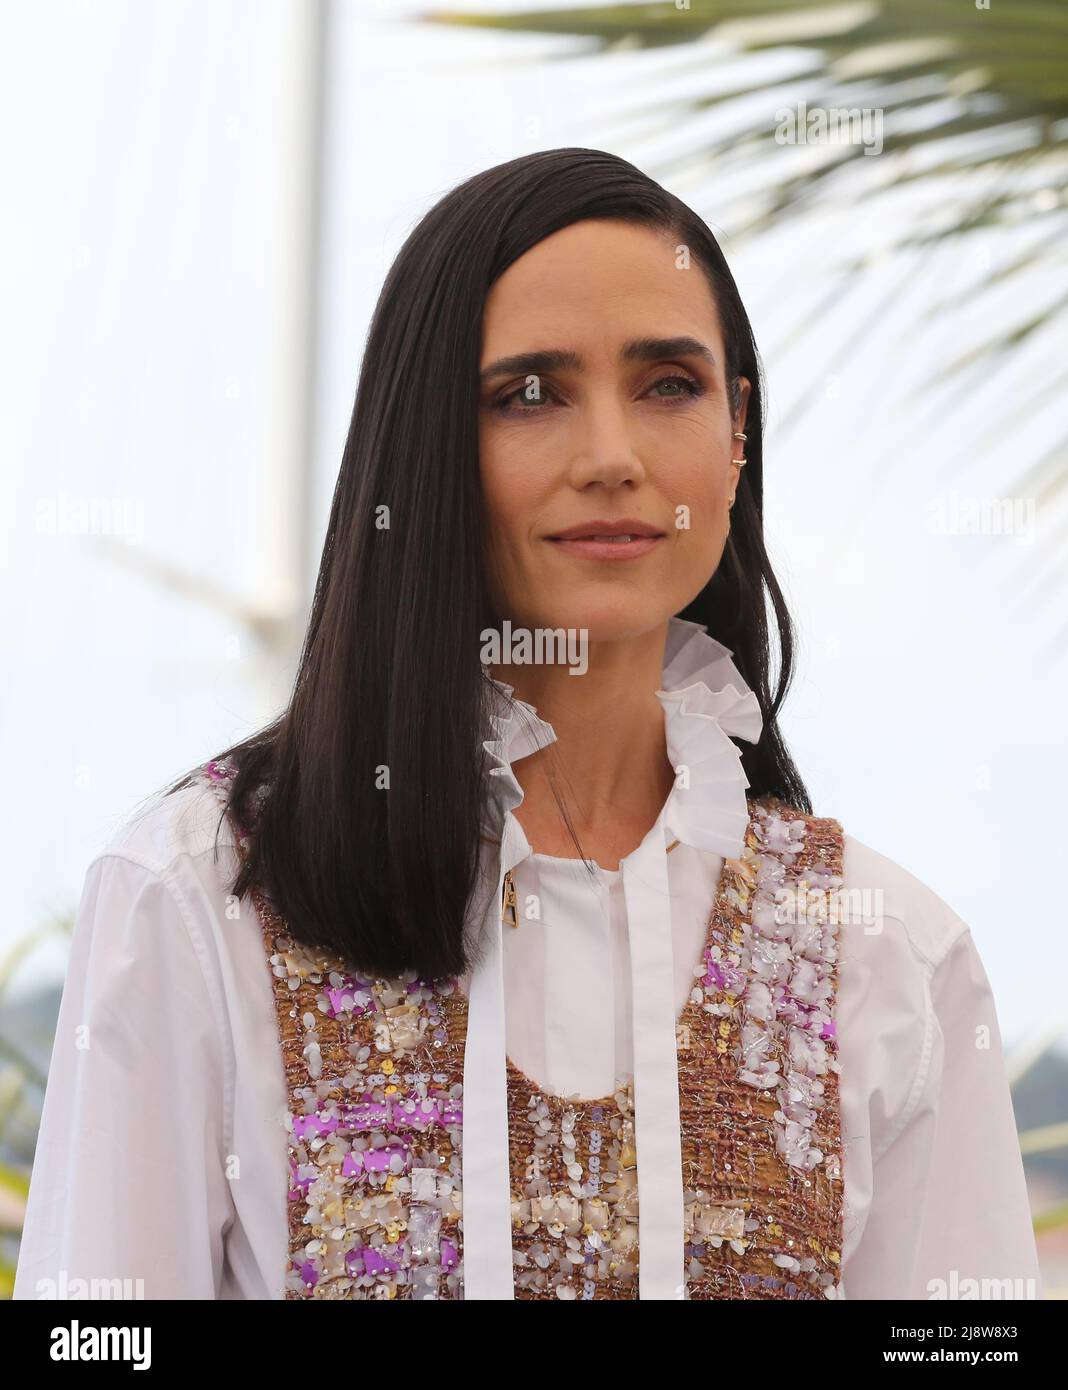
389,675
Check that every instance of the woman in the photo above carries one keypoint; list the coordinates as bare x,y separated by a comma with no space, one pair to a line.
515,976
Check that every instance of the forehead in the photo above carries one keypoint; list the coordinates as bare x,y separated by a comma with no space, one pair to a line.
599,280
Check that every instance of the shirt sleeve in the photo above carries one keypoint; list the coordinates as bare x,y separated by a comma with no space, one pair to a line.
976,1237
949,1215
129,1175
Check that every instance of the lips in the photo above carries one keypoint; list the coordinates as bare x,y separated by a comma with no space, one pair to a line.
607,539
625,530
626,539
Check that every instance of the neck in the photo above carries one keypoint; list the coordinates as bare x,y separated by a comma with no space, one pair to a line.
609,763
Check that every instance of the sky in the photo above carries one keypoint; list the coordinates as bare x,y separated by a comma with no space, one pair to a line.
145,236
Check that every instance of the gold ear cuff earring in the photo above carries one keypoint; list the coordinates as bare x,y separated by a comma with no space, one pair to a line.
741,464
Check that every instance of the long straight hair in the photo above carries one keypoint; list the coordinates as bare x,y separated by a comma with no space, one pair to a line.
369,786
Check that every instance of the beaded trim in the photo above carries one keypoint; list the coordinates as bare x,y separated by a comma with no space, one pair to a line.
374,1078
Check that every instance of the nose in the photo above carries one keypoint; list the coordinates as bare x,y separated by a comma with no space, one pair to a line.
604,449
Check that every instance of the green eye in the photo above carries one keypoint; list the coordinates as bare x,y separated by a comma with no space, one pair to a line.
525,396
690,388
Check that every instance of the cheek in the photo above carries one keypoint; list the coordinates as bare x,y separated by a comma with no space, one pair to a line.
510,501
700,496
498,484
701,524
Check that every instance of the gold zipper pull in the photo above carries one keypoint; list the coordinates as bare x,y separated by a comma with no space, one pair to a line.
509,902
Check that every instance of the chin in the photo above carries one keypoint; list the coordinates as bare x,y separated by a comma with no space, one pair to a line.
614,619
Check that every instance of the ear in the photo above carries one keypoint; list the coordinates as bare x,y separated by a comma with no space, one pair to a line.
743,391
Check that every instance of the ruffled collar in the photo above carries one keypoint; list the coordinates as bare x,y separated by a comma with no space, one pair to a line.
706,703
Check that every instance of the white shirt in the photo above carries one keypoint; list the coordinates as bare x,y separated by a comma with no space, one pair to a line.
162,1155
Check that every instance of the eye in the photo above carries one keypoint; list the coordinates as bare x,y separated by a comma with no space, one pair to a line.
527,397
690,388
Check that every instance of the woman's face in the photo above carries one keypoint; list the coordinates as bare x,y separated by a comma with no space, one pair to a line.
597,415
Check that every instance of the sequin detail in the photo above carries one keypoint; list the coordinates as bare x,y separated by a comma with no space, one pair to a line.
374,1078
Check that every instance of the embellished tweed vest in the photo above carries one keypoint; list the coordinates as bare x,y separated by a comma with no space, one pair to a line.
374,1078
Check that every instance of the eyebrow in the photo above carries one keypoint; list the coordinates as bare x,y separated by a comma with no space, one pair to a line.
562,359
